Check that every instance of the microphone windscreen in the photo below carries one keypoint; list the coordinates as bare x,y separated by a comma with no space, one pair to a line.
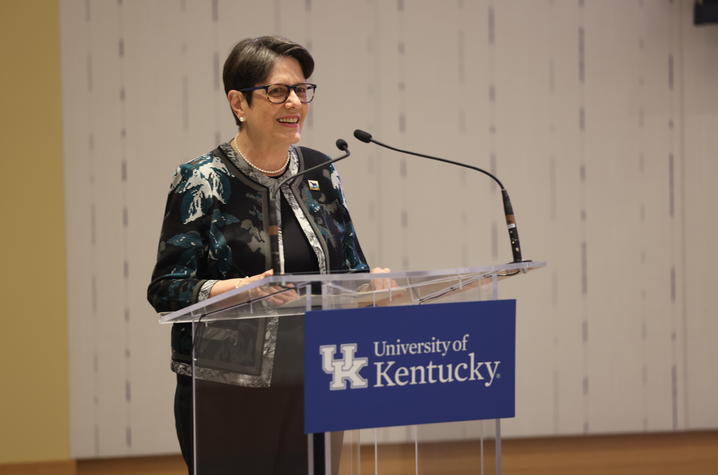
363,136
342,145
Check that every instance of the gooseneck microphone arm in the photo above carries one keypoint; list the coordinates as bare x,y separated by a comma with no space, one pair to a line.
366,137
275,207
508,209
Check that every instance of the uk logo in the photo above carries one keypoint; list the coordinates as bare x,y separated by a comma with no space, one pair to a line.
344,369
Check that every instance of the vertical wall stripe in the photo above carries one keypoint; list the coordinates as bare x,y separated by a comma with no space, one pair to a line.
684,229
216,69
126,186
492,94
642,228
581,78
675,309
466,236
375,41
402,132
95,450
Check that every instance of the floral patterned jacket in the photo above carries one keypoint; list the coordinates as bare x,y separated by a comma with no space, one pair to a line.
215,227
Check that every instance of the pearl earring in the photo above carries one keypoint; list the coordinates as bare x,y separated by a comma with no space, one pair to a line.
241,119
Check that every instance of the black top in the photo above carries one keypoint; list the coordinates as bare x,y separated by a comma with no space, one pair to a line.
299,257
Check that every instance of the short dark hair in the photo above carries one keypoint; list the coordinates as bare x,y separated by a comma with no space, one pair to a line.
251,60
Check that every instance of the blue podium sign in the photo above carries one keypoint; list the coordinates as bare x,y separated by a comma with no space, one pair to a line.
388,366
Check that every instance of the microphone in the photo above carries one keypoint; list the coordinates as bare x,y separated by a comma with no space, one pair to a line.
366,137
341,145
275,206
362,135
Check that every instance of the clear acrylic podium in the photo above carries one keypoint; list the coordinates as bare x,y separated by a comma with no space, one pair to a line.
250,339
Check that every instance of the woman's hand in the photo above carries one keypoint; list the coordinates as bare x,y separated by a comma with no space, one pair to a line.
278,295
382,284
223,286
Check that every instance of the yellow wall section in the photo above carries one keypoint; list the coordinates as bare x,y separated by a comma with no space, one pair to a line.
33,399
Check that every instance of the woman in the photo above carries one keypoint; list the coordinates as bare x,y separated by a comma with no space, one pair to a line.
214,235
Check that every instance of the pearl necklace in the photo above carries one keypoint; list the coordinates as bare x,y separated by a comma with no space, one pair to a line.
235,147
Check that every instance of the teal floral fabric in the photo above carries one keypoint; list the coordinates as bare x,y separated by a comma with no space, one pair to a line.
215,227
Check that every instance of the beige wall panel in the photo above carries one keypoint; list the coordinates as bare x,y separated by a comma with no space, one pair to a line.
478,194
197,47
652,183
613,378
700,143
108,257
614,338
563,230
522,99
155,74
385,124
345,101
432,198
76,120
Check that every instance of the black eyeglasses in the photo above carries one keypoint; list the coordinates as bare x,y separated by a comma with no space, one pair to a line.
279,93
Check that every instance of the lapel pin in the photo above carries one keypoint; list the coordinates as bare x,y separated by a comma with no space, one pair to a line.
313,185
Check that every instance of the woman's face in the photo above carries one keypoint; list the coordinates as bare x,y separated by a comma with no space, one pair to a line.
276,124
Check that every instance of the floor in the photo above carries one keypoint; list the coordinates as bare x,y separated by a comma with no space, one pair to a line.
694,453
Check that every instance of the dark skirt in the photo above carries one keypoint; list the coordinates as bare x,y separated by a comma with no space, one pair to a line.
242,430
257,431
